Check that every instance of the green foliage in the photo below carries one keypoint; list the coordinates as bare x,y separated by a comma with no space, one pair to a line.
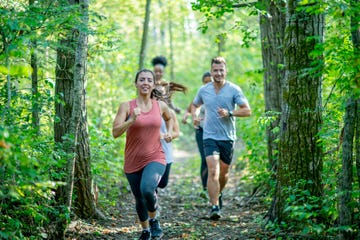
28,158
26,192
306,214
252,132
342,63
107,166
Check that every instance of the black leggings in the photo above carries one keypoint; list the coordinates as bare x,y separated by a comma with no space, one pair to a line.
143,184
165,178
203,167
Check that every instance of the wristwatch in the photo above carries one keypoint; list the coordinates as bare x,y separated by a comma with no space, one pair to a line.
230,113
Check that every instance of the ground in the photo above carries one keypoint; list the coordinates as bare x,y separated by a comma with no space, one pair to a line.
184,211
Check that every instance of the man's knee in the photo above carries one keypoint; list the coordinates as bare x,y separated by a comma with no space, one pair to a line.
224,176
213,174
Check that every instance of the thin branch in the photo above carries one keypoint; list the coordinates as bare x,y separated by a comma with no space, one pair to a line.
241,5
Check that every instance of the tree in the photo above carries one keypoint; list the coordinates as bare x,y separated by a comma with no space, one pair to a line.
145,34
34,82
272,30
171,43
272,26
70,129
300,154
351,136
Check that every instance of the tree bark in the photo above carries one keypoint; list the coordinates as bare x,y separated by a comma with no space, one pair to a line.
351,138
272,26
34,83
346,208
84,205
34,88
300,156
357,150
355,35
70,127
272,30
64,86
145,35
8,82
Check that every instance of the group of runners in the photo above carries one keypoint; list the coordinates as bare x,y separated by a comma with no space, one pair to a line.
150,124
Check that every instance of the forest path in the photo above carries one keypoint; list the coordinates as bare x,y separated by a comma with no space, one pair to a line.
183,211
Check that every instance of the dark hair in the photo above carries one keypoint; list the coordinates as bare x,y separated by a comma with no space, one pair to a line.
206,74
144,70
218,60
172,87
177,87
159,60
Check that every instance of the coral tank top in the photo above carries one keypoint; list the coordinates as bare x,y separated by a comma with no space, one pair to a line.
143,139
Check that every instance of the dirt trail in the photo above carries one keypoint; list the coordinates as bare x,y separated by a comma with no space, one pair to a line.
183,211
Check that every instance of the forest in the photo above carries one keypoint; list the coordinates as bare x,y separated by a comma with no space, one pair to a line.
66,65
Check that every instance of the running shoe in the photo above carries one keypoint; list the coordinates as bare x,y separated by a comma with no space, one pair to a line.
215,213
155,229
145,235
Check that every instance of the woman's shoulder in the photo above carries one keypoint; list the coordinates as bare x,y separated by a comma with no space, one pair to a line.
160,103
128,104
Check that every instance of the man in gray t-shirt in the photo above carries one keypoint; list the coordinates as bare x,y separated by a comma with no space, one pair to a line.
219,99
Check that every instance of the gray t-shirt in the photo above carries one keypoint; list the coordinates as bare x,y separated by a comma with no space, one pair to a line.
228,97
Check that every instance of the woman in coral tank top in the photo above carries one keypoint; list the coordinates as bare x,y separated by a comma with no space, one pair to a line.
145,163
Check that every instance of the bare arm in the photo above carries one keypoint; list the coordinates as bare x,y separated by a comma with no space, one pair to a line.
166,114
122,120
176,129
243,110
196,119
186,114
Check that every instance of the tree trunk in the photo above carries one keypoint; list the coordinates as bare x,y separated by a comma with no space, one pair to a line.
8,83
355,34
63,108
346,208
64,86
70,128
221,44
272,26
357,153
162,28
351,138
171,40
220,38
300,156
34,88
84,204
34,83
145,35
